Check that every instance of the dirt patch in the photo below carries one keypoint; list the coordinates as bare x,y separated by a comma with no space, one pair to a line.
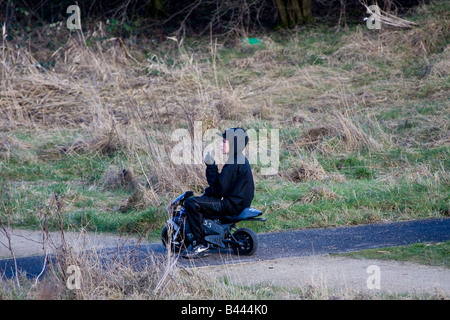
337,273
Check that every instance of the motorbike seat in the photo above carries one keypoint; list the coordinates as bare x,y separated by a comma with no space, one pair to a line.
247,213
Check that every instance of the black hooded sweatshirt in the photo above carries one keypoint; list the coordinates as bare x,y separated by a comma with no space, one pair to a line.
234,183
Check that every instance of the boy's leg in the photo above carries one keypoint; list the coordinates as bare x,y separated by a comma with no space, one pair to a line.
196,208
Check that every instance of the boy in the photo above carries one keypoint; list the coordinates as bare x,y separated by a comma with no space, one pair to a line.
229,192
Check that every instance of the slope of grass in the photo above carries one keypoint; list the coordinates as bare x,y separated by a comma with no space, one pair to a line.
363,119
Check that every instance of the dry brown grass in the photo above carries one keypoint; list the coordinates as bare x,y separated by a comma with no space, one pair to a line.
319,193
442,67
98,90
342,133
306,169
12,148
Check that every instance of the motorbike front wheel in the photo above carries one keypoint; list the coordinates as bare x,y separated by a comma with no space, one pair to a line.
246,242
175,245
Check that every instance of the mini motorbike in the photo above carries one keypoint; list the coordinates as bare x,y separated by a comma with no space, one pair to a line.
220,231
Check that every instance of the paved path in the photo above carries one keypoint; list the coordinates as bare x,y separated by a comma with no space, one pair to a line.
30,242
298,243
276,245
308,242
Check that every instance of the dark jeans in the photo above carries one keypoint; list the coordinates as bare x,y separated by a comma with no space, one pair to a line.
198,207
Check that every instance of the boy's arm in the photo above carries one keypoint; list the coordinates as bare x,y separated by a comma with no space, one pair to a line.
211,175
219,183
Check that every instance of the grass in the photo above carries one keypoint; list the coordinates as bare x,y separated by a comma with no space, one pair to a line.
356,201
390,182
432,254
368,194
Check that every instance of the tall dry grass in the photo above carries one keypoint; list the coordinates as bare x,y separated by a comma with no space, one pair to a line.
122,273
107,91
102,91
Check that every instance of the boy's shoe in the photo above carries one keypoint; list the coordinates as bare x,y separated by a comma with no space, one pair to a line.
198,251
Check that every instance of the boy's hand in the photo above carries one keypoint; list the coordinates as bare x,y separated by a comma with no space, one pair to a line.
208,159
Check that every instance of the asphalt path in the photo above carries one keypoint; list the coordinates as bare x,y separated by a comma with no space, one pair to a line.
285,244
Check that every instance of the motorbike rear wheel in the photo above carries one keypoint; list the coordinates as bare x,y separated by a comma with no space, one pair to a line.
246,242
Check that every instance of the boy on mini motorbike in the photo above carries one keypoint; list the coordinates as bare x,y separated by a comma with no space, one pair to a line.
229,192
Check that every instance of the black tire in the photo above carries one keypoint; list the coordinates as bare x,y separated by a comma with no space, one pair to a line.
166,240
248,242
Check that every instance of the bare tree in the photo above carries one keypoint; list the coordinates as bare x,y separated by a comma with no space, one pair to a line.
293,12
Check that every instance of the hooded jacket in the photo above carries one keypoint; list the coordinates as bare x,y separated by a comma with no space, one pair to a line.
234,184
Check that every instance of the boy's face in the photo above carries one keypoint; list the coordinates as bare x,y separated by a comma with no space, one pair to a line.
225,146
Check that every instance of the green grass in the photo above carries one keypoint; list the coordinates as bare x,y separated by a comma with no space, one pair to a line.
360,201
433,254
